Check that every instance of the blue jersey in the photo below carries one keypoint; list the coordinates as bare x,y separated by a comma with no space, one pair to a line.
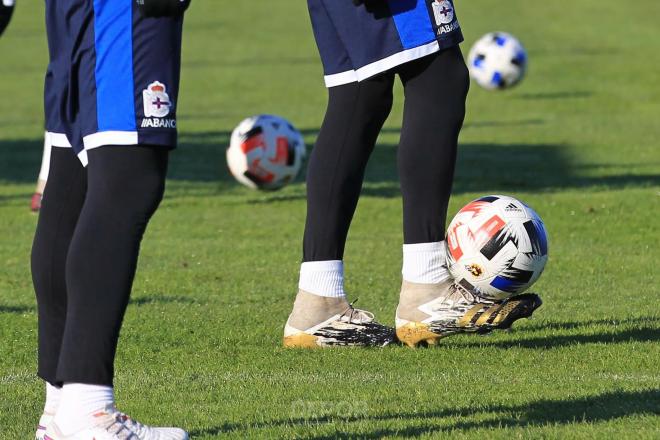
113,76
358,42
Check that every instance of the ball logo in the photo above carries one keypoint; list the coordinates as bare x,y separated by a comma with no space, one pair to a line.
443,11
157,102
474,269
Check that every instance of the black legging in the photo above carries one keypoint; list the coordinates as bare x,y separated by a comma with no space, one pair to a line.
435,90
85,253
5,17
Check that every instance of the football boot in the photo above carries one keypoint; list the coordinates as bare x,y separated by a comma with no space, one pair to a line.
318,321
429,312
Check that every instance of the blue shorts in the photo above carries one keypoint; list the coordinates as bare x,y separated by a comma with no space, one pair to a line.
358,42
113,76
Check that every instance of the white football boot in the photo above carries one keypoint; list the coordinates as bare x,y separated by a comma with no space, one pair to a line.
429,312
332,322
45,420
111,424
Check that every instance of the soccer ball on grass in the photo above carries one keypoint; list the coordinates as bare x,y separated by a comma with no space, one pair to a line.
496,246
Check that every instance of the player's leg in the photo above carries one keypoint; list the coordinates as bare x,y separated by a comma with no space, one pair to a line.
58,218
350,40
126,120
62,203
125,186
431,305
435,89
354,117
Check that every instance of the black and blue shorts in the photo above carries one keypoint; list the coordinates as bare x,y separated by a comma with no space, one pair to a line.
358,42
113,75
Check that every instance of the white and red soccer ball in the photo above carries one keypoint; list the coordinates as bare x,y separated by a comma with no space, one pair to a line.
265,152
496,246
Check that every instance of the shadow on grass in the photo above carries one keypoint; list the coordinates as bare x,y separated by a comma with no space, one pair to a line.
555,95
18,196
274,198
645,334
611,322
597,331
160,299
18,310
139,301
539,413
481,168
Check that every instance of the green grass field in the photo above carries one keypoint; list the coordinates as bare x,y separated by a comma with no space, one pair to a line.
579,140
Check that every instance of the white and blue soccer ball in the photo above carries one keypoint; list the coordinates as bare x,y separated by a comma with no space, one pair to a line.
497,246
497,61
265,152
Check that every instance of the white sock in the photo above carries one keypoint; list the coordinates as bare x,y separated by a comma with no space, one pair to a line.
53,397
323,278
424,263
79,402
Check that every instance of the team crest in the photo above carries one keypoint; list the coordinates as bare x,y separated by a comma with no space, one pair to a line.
157,102
443,11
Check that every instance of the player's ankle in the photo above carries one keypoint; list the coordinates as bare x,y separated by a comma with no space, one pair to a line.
78,404
322,278
321,293
414,295
310,309
425,263
53,398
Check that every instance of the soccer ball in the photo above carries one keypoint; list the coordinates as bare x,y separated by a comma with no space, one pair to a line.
496,246
497,61
6,11
266,152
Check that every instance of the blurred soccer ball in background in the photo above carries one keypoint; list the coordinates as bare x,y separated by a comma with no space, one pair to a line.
497,61
497,246
266,152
